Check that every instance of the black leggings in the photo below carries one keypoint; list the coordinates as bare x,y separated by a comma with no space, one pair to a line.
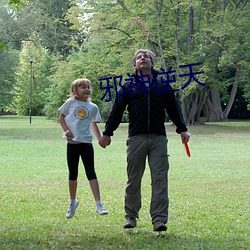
86,151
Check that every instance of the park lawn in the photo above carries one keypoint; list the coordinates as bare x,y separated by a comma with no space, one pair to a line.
209,192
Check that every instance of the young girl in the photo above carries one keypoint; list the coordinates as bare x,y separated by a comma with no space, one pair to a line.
78,116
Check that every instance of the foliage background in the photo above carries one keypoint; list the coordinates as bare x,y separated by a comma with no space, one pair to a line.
97,39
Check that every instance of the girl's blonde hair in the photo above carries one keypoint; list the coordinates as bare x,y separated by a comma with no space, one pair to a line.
77,83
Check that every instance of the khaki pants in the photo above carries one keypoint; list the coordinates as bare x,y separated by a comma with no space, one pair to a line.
154,147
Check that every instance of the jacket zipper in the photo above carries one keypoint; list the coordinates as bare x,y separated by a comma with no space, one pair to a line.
148,110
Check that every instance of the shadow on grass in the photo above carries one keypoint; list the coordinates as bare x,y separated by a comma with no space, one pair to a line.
131,239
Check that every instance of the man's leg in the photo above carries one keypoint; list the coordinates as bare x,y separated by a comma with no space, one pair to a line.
158,163
136,159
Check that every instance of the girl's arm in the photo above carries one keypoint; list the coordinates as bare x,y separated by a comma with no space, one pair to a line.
95,129
62,121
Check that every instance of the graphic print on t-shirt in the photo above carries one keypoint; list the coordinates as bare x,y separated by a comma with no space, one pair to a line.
81,112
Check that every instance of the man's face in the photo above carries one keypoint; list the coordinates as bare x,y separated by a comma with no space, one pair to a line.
143,62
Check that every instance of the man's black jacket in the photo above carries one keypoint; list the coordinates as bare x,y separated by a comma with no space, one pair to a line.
147,107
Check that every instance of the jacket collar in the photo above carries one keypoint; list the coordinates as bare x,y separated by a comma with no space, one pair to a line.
153,71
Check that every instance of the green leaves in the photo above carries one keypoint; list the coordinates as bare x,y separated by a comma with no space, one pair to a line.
97,38
17,4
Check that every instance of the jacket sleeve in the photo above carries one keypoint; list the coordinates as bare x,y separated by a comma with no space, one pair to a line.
173,109
115,115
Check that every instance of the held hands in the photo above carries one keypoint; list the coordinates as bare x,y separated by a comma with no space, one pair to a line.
104,141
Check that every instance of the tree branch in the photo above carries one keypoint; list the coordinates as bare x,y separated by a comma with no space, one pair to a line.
123,5
122,31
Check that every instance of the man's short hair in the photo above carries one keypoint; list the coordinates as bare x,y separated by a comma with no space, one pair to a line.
148,52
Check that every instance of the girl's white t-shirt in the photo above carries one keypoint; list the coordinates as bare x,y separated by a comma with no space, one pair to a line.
78,116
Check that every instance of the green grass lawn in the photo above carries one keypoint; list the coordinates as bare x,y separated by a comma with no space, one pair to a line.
209,192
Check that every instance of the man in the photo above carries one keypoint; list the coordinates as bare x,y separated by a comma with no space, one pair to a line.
147,98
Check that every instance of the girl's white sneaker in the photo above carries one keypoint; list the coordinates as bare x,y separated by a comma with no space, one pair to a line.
72,208
101,210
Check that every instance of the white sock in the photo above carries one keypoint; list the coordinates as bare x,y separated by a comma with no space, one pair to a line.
99,202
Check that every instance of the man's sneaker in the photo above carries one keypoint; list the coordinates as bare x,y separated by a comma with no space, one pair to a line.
130,223
101,210
72,208
159,226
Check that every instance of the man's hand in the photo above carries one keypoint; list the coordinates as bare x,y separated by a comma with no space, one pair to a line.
104,141
185,137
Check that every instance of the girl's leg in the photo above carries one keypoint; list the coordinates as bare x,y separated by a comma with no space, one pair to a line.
87,155
73,161
94,185
73,201
72,189
96,192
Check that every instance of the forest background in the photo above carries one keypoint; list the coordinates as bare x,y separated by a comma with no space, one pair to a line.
97,39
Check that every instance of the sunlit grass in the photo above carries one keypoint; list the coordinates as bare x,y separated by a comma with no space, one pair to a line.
209,192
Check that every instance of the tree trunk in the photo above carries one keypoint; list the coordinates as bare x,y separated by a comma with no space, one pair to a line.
177,56
213,109
194,104
203,96
232,93
178,34
190,28
193,109
213,106
159,33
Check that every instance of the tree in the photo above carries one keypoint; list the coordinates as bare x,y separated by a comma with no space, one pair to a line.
41,65
33,22
96,38
180,33
9,60
45,19
216,33
7,78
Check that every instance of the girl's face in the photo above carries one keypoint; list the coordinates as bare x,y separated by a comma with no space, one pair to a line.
83,92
